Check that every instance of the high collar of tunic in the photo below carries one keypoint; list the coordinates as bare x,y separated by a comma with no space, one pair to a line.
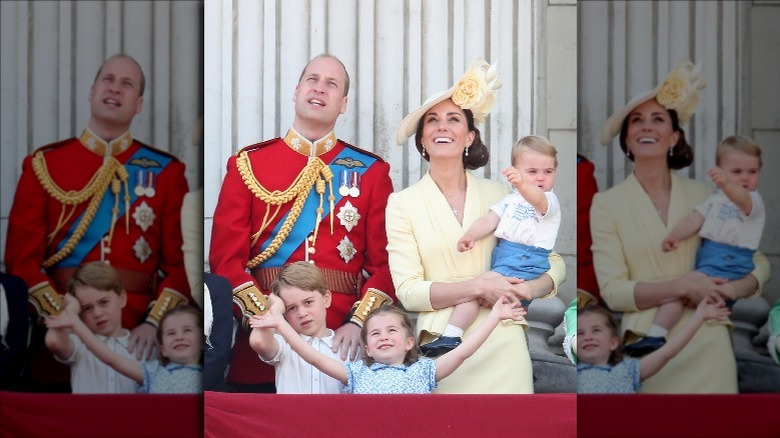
303,146
93,142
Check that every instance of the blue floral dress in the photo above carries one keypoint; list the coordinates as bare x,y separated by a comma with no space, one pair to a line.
417,378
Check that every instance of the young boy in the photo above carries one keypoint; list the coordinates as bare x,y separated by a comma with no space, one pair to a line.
304,301
526,223
99,299
730,223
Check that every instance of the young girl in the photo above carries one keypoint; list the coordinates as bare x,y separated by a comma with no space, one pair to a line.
526,223
179,336
392,364
602,367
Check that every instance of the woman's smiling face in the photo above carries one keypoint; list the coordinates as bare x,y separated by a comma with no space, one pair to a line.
445,130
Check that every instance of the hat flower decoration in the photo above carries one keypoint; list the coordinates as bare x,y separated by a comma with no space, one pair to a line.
680,91
475,91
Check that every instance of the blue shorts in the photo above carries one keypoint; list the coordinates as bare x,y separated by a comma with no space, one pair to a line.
520,261
724,261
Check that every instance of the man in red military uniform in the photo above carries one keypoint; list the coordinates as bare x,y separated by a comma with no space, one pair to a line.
307,196
102,196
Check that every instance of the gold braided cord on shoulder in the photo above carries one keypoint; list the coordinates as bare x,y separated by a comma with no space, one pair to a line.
71,197
298,190
94,191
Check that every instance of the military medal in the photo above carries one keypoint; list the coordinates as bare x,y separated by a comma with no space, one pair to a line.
144,216
139,187
149,191
346,249
344,185
348,215
354,186
142,250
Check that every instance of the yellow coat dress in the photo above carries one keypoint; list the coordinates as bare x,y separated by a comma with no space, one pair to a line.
422,233
627,234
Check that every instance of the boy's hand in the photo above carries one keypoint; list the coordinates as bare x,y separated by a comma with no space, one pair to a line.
275,304
709,308
465,243
514,177
72,305
268,320
669,244
718,176
504,309
62,321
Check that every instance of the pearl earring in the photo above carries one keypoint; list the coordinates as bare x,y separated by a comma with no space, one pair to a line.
671,151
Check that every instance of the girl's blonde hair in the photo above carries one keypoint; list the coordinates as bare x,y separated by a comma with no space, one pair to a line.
534,143
406,323
738,143
617,354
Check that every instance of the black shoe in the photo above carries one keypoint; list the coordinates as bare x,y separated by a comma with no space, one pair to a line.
440,345
645,346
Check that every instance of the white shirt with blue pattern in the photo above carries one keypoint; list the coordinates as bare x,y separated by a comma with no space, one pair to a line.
621,378
417,378
172,378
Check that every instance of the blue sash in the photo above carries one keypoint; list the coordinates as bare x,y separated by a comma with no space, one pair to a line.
305,223
101,223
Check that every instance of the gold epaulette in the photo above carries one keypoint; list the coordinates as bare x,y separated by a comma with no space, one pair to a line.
373,299
167,300
93,191
297,191
46,300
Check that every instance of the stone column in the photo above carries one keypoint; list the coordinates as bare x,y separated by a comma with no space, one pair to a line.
552,372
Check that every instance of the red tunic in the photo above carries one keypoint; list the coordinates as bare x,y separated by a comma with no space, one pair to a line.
35,214
275,166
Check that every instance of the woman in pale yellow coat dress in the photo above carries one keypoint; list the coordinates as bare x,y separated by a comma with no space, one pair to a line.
630,220
425,221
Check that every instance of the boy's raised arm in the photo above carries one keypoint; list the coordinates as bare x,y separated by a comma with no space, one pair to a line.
327,365
262,338
57,339
122,365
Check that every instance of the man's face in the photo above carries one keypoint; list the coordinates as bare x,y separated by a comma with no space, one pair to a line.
319,96
114,97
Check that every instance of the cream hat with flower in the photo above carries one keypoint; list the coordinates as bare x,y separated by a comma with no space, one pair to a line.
679,92
474,91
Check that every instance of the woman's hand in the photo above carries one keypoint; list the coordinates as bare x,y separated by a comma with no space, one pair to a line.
697,286
493,286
